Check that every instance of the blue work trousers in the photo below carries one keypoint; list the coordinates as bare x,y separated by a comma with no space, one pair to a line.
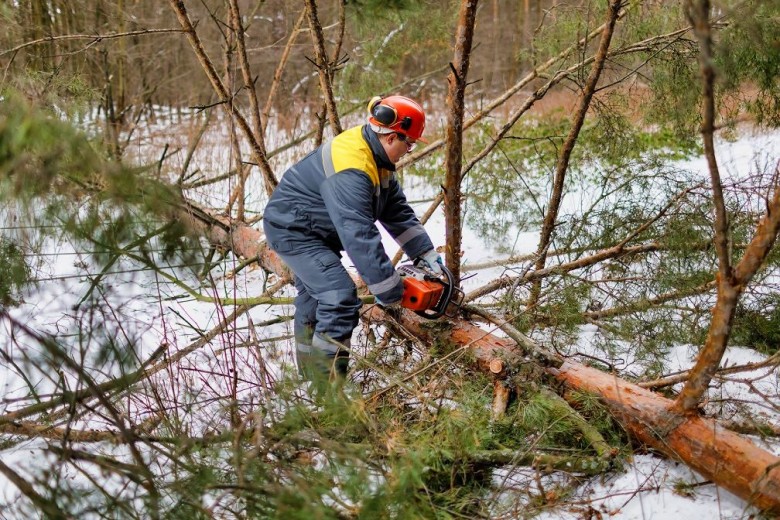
327,306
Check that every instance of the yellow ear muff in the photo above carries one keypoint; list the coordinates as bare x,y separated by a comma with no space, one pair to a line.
374,102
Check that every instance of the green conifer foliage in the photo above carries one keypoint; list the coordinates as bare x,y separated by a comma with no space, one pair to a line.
16,272
412,435
59,175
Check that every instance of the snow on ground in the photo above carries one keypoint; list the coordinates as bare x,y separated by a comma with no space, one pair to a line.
652,488
649,487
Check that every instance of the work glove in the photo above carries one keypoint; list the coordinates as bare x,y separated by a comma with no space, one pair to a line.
432,260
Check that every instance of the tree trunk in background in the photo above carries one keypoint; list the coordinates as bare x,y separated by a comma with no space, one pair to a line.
454,149
324,69
37,24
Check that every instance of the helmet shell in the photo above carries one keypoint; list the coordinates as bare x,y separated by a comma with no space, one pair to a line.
399,114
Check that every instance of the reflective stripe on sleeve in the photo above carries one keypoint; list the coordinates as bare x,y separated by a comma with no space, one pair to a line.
385,285
327,160
409,234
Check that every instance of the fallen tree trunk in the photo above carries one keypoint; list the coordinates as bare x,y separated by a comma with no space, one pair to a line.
720,455
724,457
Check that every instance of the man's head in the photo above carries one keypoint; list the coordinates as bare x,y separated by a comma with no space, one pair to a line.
400,123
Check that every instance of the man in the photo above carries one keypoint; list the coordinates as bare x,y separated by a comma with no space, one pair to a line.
328,203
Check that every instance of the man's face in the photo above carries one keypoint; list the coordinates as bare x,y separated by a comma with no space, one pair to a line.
397,146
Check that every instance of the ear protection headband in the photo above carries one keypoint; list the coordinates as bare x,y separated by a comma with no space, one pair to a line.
388,116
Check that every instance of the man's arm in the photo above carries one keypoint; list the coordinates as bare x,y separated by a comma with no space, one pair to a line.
399,219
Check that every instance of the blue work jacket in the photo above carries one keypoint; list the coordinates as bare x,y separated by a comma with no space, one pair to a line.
336,194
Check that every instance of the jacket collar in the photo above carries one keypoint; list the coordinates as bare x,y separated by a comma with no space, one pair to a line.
377,149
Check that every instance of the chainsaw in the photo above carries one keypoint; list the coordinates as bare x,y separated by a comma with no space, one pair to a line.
426,294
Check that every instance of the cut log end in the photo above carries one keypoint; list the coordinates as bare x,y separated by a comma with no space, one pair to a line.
496,366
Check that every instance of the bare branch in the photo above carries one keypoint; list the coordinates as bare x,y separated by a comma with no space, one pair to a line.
537,274
698,12
280,67
562,166
257,124
323,66
618,249
258,150
94,38
771,361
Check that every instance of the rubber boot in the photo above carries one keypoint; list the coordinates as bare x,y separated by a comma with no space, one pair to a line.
304,352
324,363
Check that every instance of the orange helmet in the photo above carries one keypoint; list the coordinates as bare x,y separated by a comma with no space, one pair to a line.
398,114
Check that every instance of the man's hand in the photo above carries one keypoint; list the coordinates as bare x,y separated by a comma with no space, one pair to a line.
432,261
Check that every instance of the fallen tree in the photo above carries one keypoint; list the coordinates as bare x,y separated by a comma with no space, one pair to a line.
724,457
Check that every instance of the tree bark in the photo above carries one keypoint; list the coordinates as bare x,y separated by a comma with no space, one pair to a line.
724,457
323,66
464,36
237,28
731,280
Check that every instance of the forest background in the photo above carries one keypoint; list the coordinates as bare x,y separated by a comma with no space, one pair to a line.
147,358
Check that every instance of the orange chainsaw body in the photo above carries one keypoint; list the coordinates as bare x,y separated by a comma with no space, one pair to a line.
421,295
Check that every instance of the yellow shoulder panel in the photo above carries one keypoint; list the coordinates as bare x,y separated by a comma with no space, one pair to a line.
350,150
